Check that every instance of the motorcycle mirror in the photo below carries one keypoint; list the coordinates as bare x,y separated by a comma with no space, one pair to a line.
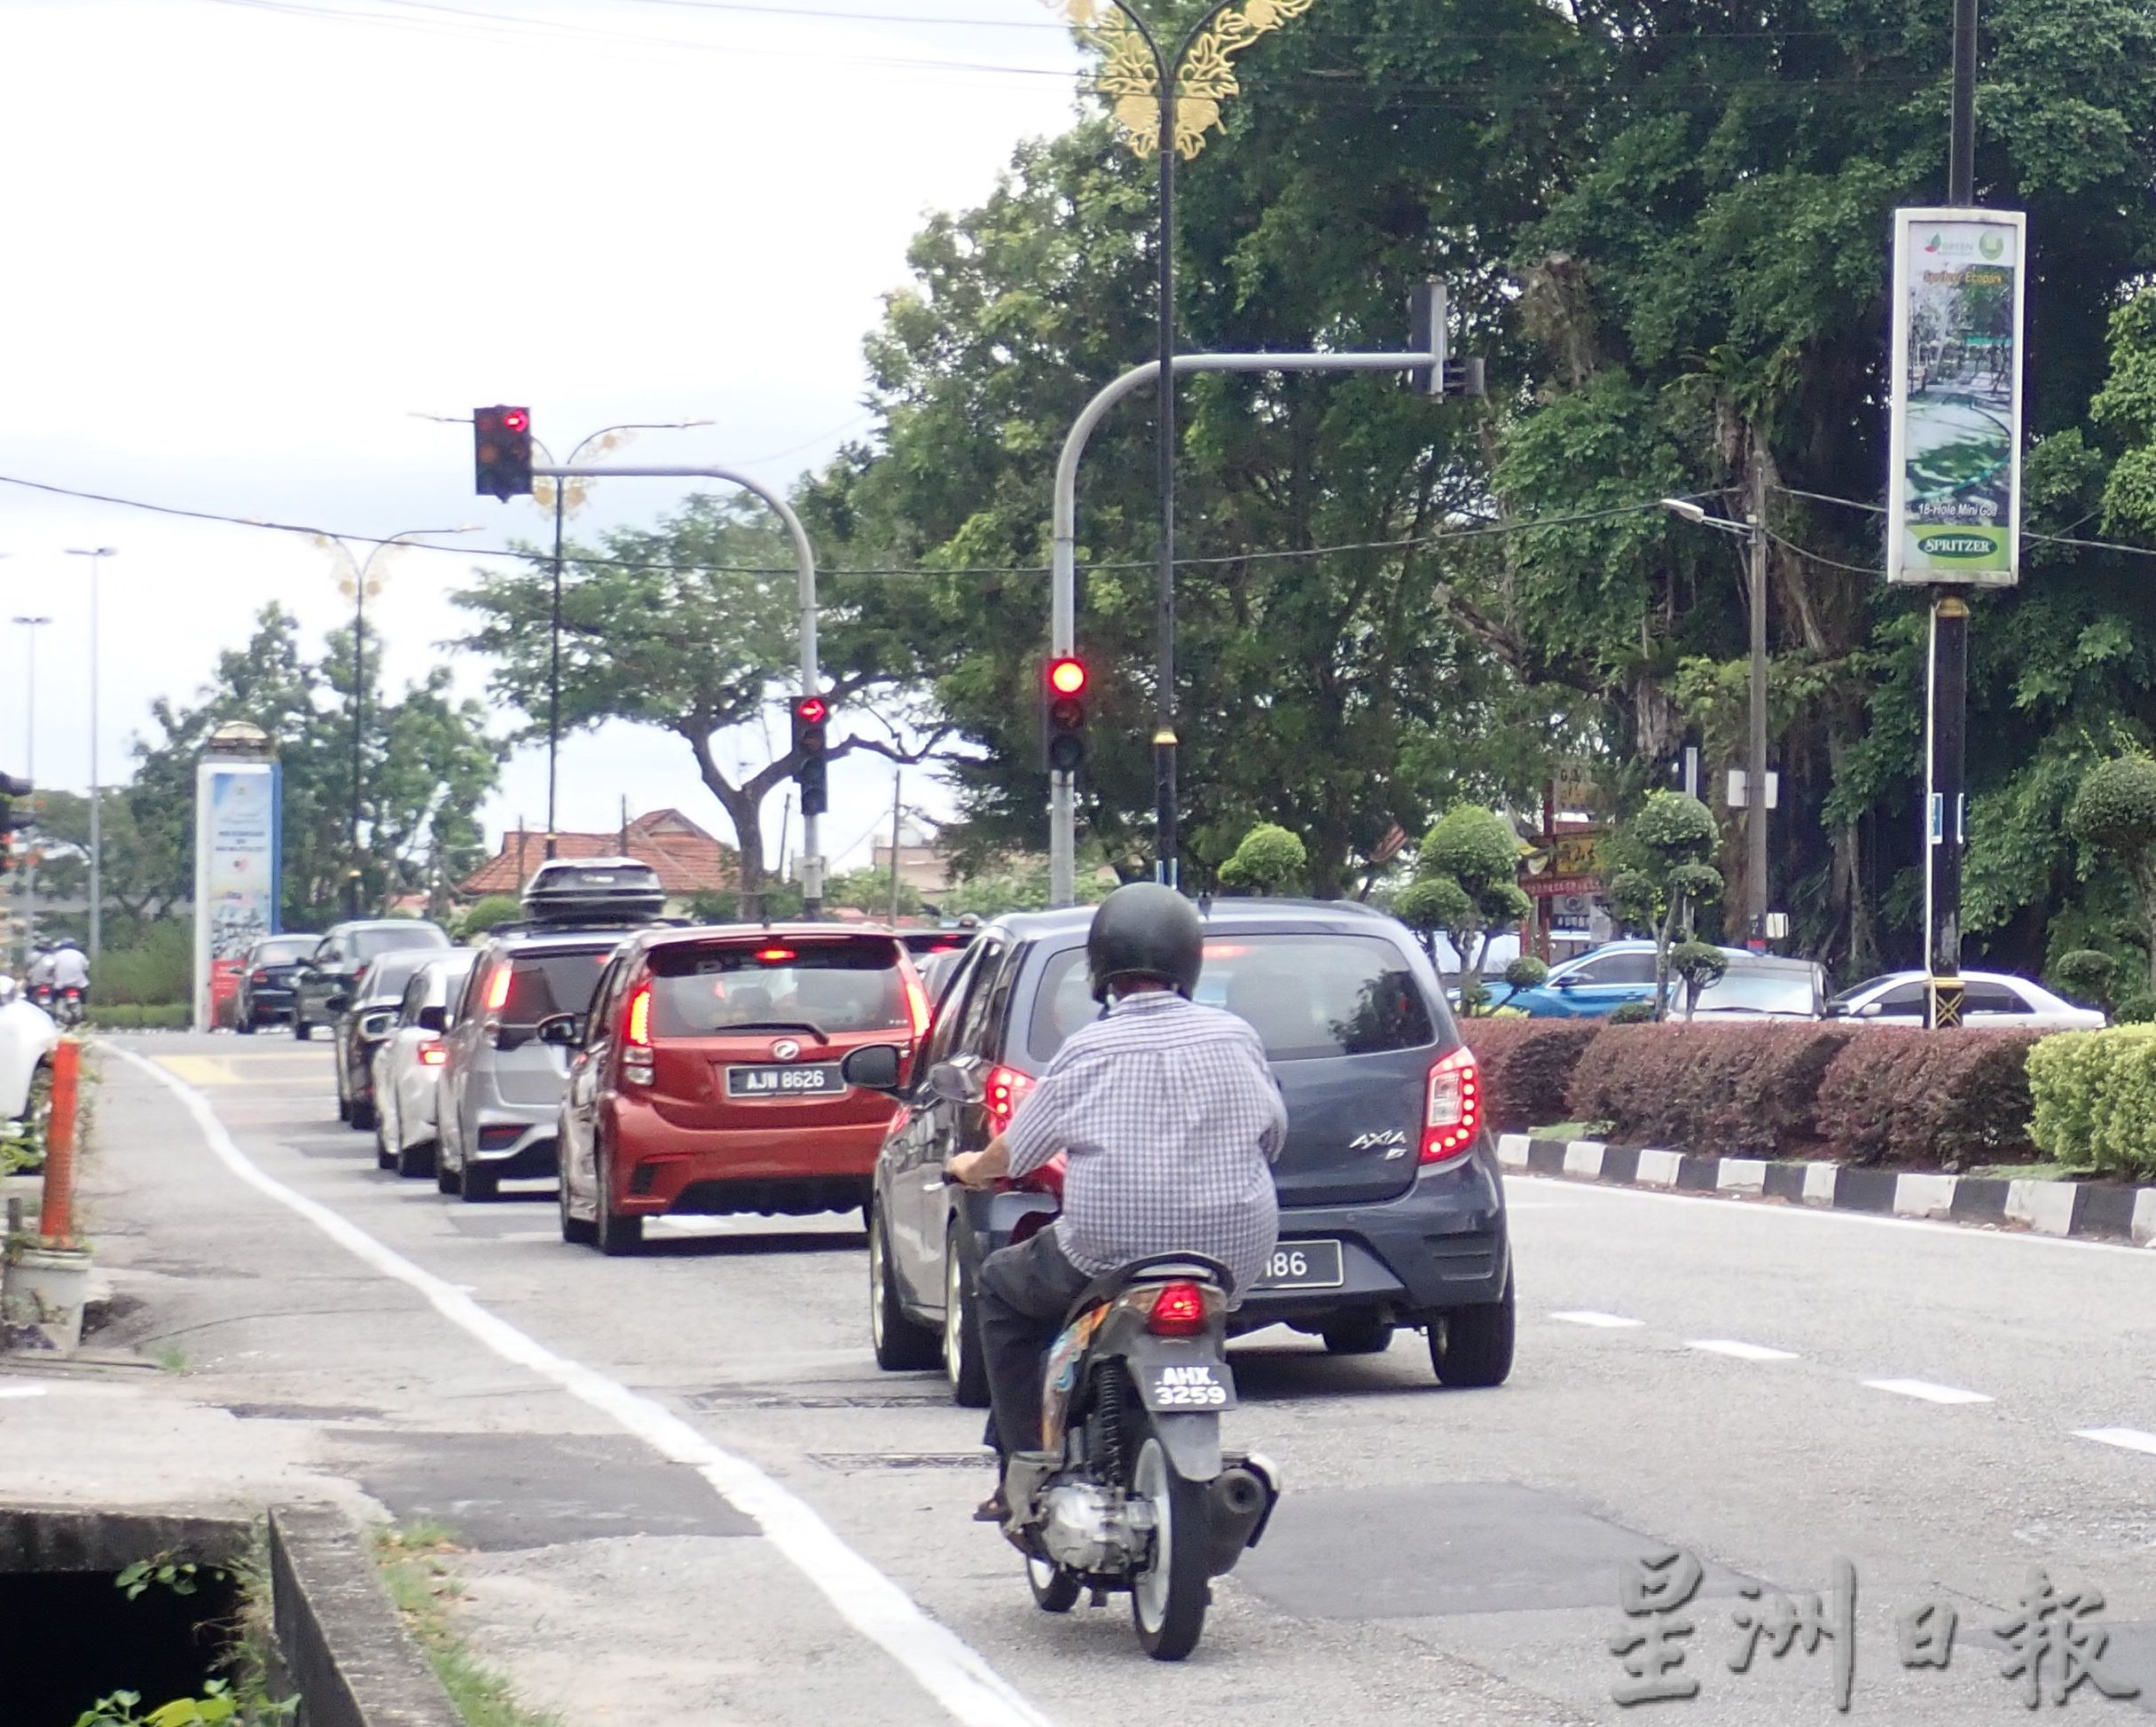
872,1067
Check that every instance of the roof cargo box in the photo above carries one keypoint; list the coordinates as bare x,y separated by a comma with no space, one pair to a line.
587,889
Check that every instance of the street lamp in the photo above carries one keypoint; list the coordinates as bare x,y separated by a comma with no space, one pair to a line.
1752,530
607,437
31,626
96,556
1167,103
357,579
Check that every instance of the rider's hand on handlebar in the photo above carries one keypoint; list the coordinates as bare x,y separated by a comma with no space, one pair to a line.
965,1169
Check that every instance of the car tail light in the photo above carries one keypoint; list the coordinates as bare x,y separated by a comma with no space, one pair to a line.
637,1058
917,1008
498,991
499,1136
258,977
1454,1114
1179,1311
1002,1092
432,1053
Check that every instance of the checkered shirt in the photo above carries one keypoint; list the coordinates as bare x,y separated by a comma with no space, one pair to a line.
1171,1120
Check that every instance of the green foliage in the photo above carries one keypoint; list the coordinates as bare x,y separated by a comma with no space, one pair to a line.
157,970
1631,1013
1747,1089
2113,816
1526,972
1527,1067
1697,964
131,1016
869,891
2085,974
1663,878
781,902
2095,1099
1943,1100
1270,859
489,912
415,1564
165,1571
1466,886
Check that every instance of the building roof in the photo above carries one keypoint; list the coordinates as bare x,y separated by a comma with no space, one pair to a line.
688,860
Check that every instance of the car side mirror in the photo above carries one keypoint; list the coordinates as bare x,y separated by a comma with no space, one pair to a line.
1870,1010
336,1004
954,1085
1568,981
377,1025
563,1030
872,1067
433,1019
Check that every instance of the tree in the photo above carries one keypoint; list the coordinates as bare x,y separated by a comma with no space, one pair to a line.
1270,859
1697,965
488,913
691,627
1663,876
1466,886
869,890
2113,815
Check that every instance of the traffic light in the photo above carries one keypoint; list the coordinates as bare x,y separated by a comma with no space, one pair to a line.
1063,714
11,787
811,737
501,450
1428,333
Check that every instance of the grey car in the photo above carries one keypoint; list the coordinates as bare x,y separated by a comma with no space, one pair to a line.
323,985
501,1090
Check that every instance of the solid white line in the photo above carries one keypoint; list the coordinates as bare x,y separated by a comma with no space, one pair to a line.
1743,1352
22,1391
2127,1439
946,1667
1928,1393
1604,1321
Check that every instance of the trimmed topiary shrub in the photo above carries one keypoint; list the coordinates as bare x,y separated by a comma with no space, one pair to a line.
1946,1100
1631,1013
1270,859
1527,1068
1748,1090
2086,975
2094,1097
1526,972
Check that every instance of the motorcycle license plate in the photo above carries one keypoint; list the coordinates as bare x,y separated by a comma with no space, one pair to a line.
1302,1265
1187,1387
821,1079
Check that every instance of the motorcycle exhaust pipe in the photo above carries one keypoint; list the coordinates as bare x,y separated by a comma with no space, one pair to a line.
1238,1502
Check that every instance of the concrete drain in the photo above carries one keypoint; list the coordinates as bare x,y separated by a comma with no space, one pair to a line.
850,1460
749,1397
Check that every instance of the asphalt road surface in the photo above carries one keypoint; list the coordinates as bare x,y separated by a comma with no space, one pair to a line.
690,1496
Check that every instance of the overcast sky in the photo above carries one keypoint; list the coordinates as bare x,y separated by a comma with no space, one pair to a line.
248,241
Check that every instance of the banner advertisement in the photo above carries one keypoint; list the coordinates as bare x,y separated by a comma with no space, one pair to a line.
237,805
1953,462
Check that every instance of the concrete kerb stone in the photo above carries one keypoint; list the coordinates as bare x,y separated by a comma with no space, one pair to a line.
2051,1208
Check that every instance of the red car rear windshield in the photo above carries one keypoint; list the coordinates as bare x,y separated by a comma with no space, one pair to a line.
831,986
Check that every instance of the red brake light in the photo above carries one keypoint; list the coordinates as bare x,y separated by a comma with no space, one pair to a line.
1003,1090
636,1024
1454,1114
498,991
917,1010
1179,1311
258,977
432,1053
773,955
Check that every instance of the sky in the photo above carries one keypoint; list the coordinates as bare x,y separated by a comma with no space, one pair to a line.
252,242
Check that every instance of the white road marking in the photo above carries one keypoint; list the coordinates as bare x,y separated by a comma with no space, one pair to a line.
22,1391
1925,1389
1743,1352
2127,1439
945,1666
1605,1322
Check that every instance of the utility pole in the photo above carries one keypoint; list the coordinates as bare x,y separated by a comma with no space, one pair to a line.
31,626
897,774
1755,768
1946,732
96,556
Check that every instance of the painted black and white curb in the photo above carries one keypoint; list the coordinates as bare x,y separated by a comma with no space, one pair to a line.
2102,1212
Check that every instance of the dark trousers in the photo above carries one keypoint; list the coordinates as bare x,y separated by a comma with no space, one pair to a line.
1022,1296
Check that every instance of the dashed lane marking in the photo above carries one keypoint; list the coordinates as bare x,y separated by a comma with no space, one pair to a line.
1926,1392
1743,1352
1601,1322
946,1667
2127,1439
22,1391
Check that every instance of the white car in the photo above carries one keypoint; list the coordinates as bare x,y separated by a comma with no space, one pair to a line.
1989,998
28,1038
407,1068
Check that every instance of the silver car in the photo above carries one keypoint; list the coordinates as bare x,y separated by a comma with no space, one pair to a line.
500,1089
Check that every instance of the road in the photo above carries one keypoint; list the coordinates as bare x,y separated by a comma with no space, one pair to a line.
1771,1389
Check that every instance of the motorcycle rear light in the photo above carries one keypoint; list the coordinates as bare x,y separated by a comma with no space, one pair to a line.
432,1053
1002,1093
1454,1114
1179,1311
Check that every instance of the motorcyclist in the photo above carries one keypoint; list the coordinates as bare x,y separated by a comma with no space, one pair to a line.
70,969
1171,1119
37,976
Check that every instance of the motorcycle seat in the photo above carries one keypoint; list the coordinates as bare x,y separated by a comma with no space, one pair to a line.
1194,1267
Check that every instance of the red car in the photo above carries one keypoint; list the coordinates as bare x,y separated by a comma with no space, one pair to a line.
705,1078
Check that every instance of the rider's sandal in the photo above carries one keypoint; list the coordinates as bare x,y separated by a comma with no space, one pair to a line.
994,1508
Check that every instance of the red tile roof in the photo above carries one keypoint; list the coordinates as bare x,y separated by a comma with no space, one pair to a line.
688,860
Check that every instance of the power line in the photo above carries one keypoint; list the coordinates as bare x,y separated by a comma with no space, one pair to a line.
2026,533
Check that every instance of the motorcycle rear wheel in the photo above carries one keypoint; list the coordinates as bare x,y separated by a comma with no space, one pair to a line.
1054,1589
1168,1598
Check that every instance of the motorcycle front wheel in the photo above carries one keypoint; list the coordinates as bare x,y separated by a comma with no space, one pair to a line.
1168,1598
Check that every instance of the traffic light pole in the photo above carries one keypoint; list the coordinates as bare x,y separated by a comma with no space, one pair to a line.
1062,602
805,558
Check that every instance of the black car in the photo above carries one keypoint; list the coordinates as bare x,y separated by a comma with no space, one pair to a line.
340,954
365,1018
266,981
1391,1206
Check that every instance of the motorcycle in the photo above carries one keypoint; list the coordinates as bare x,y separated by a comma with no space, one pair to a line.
67,1009
41,996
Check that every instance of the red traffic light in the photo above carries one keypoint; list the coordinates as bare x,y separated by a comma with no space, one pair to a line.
1067,677
811,710
516,419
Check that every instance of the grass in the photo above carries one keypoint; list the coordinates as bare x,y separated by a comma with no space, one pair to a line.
1573,1130
414,1562
170,1357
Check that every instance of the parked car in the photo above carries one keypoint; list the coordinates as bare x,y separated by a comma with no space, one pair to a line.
267,976
1393,1209
705,1077
340,954
1591,986
1989,998
406,1070
28,1035
1761,986
499,1101
365,1018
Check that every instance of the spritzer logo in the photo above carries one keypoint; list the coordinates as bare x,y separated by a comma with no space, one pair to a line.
1956,546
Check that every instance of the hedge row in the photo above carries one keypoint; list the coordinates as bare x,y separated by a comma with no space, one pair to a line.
1864,1095
133,1016
2094,1095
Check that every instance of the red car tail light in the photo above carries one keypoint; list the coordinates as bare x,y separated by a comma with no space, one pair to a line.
637,1061
432,1053
1179,1311
917,1009
1002,1093
1453,1117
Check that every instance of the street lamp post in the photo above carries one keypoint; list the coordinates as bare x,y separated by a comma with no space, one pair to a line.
357,580
31,626
607,437
96,556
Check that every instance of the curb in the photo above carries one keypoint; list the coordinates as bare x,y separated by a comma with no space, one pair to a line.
2077,1209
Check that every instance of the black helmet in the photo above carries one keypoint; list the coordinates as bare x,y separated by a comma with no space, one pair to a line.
1145,931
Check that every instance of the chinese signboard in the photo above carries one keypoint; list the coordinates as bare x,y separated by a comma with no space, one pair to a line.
235,875
1954,465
